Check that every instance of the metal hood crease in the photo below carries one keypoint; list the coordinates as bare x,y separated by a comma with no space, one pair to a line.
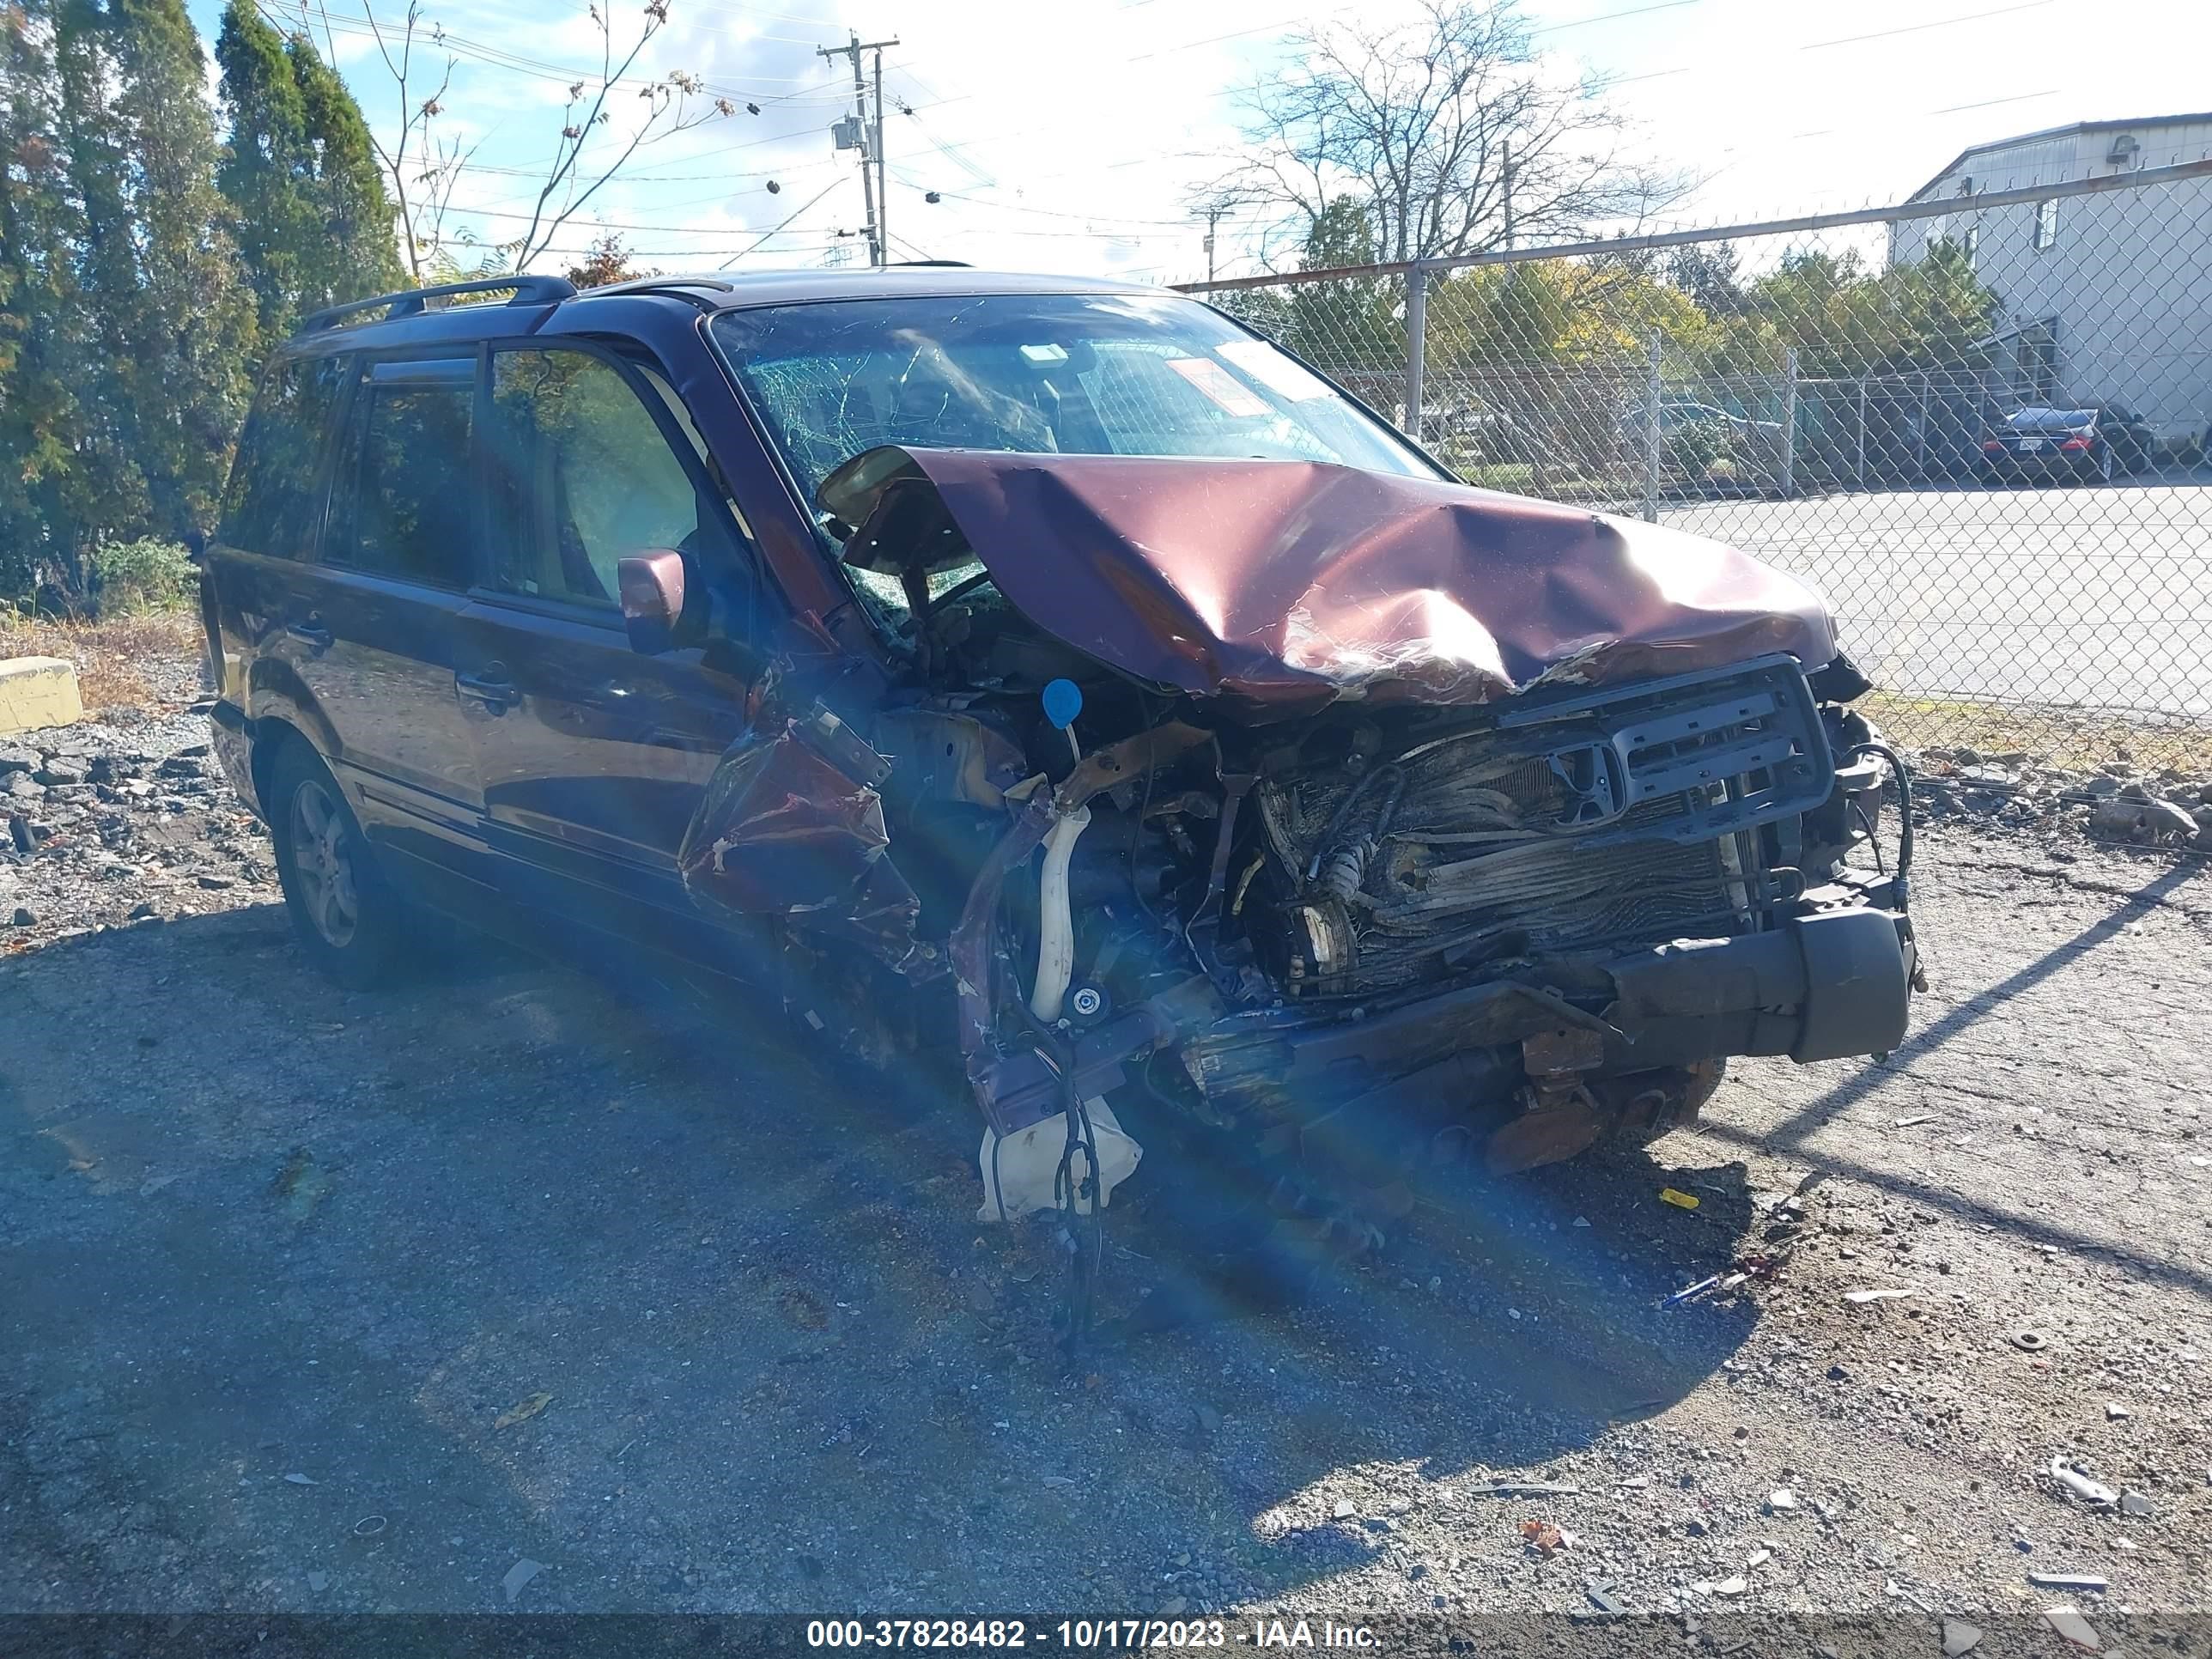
1287,585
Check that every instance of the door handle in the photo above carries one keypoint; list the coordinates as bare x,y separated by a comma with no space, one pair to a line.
310,634
492,688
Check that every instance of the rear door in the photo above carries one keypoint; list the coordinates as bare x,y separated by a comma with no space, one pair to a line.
260,574
594,767
378,643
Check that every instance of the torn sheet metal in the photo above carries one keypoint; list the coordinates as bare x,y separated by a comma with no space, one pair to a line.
791,825
1284,585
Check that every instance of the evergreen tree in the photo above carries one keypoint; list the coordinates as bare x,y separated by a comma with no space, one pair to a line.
361,247
314,224
267,170
161,278
1348,327
48,488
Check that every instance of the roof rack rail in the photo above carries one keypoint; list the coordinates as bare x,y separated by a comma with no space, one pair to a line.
412,302
647,284
948,264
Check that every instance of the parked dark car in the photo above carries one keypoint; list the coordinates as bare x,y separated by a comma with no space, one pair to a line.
2100,442
1050,677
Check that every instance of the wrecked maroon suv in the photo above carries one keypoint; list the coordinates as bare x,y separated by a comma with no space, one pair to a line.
1061,681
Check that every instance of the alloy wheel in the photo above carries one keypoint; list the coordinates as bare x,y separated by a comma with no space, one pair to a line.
322,859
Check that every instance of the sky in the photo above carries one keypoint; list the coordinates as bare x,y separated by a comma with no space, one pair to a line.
1074,136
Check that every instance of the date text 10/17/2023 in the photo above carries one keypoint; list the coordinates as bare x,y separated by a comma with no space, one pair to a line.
1084,1634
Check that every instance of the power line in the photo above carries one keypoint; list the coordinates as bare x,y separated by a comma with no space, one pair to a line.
1915,28
802,207
1607,17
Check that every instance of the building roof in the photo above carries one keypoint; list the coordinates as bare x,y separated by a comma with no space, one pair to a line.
2073,131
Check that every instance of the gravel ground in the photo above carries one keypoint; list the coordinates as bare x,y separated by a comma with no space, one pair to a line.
509,1288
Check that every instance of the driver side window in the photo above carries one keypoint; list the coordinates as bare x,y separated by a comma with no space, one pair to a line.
579,476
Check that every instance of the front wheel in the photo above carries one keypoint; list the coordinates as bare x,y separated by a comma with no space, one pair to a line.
348,920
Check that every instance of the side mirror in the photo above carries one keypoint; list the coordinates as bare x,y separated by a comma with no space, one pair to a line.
651,588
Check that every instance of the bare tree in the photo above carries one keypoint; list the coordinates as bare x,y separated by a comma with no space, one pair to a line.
424,170
676,102
1449,132
421,170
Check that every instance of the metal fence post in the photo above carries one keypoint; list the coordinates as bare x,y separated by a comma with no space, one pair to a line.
1652,445
1416,341
1920,440
1859,471
1789,423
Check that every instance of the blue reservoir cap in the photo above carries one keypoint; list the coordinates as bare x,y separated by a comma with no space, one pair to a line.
1063,701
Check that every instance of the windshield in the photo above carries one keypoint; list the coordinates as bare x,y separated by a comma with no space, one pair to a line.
2051,420
1070,374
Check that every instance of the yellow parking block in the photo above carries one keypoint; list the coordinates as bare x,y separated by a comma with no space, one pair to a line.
37,692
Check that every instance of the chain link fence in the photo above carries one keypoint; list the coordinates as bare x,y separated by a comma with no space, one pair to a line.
1979,425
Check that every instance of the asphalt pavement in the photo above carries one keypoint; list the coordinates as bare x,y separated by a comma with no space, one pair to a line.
509,1289
2097,598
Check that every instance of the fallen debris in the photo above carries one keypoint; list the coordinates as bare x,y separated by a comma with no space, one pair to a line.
1527,1489
1861,1299
1782,1498
1736,1585
1541,1535
2134,1503
1891,1587
2115,1412
1919,1117
522,1411
301,1481
2090,1492
1680,1200
1600,1591
2087,1582
2028,1340
1689,1291
2074,1627
1959,1637
519,1575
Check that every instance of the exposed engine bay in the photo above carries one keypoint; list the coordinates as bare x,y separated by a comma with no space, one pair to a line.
1516,879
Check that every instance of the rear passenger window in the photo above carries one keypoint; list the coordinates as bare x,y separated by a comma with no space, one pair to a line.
580,476
271,504
405,501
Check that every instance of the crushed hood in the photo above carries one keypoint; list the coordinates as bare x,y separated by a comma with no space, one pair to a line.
1286,585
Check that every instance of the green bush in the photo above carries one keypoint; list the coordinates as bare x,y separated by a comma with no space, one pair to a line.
1693,446
146,574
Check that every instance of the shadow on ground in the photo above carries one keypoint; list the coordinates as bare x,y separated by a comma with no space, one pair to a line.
291,1269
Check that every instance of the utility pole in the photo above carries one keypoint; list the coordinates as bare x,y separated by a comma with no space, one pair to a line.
882,184
1213,217
1213,213
1506,171
866,133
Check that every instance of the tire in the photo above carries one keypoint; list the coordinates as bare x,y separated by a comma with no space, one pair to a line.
348,920
2106,471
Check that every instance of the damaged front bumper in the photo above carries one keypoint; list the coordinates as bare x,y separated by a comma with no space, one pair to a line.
1827,985
1737,771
